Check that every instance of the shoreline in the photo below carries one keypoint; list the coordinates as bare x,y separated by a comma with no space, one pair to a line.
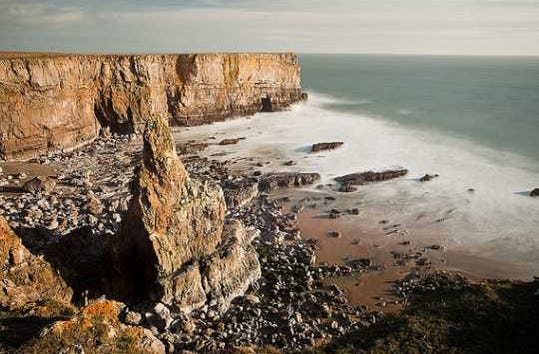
452,256
296,253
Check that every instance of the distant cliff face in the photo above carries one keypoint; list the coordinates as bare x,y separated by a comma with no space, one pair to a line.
49,103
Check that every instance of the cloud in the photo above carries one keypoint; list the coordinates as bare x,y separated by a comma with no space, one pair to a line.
389,26
36,13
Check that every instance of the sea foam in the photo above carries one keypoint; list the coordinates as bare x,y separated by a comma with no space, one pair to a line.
496,219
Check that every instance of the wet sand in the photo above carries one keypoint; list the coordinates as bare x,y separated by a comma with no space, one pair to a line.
396,248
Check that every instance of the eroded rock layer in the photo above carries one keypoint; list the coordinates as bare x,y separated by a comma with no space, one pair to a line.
49,103
174,245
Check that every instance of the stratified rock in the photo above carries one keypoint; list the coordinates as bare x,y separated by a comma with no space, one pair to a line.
326,146
40,184
370,176
24,277
534,193
96,329
278,180
55,102
171,247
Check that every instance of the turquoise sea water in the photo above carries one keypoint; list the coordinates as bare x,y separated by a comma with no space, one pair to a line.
474,121
493,101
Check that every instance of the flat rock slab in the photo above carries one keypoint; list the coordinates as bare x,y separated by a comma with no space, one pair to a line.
326,146
357,179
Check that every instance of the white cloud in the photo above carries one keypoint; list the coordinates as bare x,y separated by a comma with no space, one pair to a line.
389,26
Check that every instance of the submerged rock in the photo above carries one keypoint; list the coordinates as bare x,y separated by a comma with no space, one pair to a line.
278,180
428,177
370,176
326,146
230,141
24,277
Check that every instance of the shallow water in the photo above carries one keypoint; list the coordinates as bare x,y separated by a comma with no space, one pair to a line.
497,220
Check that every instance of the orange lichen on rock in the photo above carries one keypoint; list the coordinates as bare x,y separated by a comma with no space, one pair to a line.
96,328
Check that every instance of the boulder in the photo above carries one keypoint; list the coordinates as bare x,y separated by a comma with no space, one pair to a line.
40,184
26,278
279,180
370,176
326,146
534,193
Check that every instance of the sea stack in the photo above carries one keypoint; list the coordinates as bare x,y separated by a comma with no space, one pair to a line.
174,246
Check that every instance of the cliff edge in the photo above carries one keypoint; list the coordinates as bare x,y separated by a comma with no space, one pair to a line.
55,102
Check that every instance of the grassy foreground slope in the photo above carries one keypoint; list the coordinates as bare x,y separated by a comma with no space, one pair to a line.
450,315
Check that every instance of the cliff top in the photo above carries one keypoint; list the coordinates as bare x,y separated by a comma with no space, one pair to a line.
19,55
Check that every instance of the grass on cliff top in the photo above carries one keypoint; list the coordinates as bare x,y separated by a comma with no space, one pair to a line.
498,317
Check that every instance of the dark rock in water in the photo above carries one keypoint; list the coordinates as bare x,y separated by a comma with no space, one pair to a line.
40,184
427,177
347,188
370,176
334,234
326,146
534,193
289,163
471,190
354,211
278,180
230,141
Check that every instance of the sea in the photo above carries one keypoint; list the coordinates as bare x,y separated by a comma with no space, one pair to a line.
474,121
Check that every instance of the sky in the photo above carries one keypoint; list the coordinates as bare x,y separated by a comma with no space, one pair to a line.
455,27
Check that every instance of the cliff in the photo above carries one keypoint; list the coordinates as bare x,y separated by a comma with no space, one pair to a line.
55,102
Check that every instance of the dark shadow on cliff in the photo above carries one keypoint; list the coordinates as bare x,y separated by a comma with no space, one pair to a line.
79,257
494,317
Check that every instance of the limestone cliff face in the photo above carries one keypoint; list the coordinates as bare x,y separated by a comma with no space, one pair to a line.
48,103
174,245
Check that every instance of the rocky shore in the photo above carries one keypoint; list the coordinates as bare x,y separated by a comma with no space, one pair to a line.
285,299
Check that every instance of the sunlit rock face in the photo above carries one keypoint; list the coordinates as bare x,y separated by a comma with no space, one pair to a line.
54,102
174,245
